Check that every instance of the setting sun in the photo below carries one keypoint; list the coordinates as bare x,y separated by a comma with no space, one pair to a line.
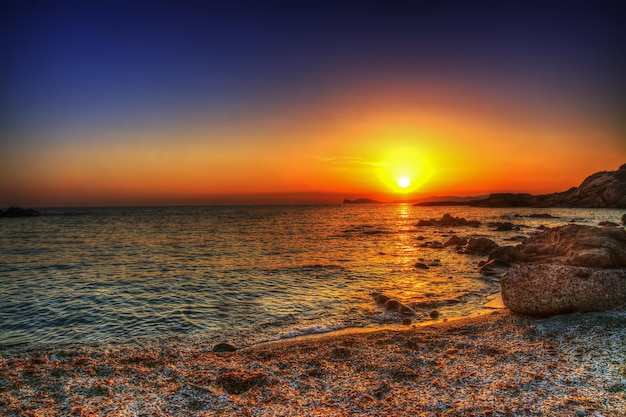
404,182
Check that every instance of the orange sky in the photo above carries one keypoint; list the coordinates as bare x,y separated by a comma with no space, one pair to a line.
316,102
353,145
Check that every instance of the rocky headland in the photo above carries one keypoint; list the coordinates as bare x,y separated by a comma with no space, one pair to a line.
606,189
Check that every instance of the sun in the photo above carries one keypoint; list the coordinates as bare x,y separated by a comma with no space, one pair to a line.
404,182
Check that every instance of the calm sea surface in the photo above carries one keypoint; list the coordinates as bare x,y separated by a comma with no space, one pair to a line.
200,275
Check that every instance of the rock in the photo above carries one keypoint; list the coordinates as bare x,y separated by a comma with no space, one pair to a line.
623,220
405,310
504,226
224,347
550,289
456,241
434,314
391,304
406,321
480,246
509,254
381,299
421,265
578,245
397,306
19,212
495,267
449,221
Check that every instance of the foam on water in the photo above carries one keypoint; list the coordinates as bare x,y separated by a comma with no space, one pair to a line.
244,274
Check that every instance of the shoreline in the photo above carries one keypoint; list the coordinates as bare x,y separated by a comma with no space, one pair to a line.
492,303
498,364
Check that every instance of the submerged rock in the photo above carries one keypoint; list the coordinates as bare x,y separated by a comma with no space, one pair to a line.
391,304
504,226
397,306
550,289
456,241
449,221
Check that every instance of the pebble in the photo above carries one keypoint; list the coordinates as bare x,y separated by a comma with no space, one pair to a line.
434,314
581,413
406,322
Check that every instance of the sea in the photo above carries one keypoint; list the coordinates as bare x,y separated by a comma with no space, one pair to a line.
196,276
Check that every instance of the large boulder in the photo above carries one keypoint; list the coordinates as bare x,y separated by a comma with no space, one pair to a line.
577,245
550,289
565,269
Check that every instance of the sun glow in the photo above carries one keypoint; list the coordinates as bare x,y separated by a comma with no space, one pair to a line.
404,182
404,170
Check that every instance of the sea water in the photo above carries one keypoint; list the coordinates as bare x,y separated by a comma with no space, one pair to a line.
245,274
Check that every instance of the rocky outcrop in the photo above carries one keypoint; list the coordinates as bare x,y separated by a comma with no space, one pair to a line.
19,212
480,246
449,221
577,245
606,189
565,269
550,289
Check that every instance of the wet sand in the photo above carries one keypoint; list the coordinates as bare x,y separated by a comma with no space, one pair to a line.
496,365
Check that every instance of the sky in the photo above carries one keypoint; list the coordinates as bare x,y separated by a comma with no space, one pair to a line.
215,102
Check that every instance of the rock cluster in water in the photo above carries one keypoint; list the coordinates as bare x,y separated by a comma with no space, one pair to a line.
570,268
449,221
19,212
391,304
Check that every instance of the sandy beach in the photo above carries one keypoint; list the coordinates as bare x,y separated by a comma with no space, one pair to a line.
495,365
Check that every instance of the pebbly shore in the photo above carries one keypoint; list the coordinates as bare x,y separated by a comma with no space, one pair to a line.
494,365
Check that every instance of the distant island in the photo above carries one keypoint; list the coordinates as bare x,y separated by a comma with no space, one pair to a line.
361,201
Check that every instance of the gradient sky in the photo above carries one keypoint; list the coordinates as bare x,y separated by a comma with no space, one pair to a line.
200,102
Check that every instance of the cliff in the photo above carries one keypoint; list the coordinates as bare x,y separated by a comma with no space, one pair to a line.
606,189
